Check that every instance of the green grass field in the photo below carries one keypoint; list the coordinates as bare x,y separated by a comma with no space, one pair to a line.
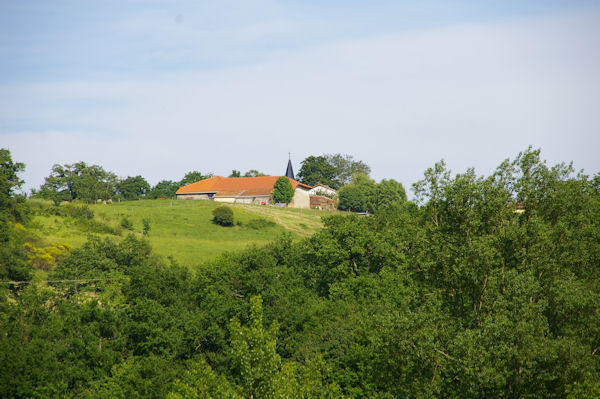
184,229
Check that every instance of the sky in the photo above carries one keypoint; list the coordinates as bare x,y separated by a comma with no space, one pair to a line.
159,88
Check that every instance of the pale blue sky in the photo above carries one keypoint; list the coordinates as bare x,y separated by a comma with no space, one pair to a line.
158,88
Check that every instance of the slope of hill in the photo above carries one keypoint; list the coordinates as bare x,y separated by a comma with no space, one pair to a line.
182,230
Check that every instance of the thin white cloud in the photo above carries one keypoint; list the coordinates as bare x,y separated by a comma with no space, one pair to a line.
472,94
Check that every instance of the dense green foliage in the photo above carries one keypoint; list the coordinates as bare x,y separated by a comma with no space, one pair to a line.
364,195
167,188
223,216
333,170
78,181
346,168
133,188
9,178
164,189
192,177
283,192
13,260
485,287
317,170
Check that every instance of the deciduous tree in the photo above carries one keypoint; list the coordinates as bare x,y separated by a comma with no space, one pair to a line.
333,170
133,188
164,188
192,177
253,173
9,177
283,192
78,182
358,196
346,167
13,212
317,170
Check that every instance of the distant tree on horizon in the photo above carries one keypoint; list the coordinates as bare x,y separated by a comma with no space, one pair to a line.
133,188
194,176
78,181
346,167
253,173
333,170
164,188
317,170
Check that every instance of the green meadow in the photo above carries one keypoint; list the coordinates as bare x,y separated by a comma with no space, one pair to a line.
181,229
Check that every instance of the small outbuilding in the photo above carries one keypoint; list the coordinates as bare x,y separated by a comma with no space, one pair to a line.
322,203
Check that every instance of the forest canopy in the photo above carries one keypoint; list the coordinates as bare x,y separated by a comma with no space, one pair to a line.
485,286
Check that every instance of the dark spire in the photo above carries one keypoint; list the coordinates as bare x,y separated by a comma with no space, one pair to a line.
290,172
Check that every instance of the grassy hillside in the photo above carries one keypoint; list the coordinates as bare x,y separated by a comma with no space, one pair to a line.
181,229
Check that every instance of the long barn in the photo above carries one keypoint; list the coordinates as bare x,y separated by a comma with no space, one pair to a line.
244,190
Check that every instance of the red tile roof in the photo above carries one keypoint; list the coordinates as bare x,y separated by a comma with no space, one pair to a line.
236,186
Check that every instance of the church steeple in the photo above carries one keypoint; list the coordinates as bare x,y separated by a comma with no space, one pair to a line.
290,172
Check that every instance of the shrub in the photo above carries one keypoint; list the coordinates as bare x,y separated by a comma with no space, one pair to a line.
45,258
223,216
146,223
126,224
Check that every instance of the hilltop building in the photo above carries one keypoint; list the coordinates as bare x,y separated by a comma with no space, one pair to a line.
257,190
243,190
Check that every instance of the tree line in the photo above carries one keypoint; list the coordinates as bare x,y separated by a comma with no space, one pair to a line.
89,183
485,286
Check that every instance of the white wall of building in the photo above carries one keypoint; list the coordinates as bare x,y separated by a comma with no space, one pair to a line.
301,198
321,190
229,200
193,196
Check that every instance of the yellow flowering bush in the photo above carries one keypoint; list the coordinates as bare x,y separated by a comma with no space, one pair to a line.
45,258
